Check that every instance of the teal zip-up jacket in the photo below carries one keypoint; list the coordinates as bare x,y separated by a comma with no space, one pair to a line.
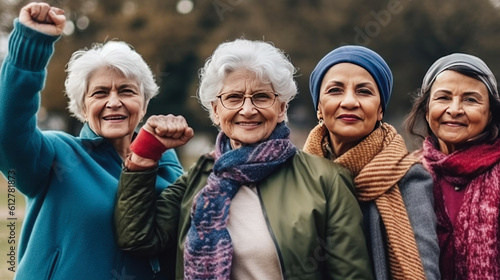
309,206
70,183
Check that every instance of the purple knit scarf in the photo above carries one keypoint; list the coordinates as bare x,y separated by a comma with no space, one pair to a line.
470,249
208,249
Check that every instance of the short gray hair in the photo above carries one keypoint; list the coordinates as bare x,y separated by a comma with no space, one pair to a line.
115,55
269,64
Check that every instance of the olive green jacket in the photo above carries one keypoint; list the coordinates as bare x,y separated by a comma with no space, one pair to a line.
308,204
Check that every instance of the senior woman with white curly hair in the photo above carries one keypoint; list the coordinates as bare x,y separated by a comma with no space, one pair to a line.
70,182
256,207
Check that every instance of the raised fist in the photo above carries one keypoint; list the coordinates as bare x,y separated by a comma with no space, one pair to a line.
172,131
157,135
43,18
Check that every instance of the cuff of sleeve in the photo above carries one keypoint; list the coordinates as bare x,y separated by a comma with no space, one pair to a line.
129,165
147,146
30,49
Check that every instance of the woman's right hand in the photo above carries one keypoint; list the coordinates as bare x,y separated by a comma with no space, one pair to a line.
158,134
172,131
43,18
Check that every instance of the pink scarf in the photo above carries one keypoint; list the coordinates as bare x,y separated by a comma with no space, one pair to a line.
470,247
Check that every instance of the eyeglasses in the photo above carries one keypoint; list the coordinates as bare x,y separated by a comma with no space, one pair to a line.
235,100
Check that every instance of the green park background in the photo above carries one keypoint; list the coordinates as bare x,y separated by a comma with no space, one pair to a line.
175,37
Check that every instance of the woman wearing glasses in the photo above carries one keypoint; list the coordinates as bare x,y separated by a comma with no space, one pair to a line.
256,207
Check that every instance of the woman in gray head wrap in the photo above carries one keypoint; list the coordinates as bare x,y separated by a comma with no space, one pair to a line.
460,106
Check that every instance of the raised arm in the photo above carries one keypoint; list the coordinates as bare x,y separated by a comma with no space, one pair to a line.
145,224
23,148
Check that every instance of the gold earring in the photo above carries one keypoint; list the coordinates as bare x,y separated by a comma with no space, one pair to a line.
320,122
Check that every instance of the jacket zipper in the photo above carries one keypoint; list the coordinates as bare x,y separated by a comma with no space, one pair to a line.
271,232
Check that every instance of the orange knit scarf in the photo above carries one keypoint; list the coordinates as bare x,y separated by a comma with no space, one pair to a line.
377,163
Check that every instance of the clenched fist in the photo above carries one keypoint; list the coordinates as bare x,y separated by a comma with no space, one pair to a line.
156,136
43,18
172,131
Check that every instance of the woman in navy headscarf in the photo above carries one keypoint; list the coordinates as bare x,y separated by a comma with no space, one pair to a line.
351,87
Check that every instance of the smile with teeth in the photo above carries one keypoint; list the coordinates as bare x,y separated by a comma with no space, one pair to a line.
453,124
247,124
113,118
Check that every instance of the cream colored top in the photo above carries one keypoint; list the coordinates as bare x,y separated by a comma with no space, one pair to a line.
254,253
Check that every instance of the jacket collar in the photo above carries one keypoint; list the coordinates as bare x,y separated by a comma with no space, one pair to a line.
86,133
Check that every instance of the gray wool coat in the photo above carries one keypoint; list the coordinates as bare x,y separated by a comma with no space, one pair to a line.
416,188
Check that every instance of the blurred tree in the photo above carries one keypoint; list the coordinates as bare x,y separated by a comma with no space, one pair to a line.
410,35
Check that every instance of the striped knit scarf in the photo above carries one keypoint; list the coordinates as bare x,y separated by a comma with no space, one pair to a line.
470,249
208,247
377,163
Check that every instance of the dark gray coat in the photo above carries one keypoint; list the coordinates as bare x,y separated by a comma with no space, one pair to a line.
416,190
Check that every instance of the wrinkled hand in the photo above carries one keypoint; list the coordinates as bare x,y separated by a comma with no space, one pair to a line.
43,18
159,134
172,131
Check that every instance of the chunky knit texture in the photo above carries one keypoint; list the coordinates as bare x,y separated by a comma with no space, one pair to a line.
470,247
377,163
208,247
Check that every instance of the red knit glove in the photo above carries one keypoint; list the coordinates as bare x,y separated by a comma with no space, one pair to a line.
147,146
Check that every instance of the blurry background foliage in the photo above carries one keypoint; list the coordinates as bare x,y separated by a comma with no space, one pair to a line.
176,37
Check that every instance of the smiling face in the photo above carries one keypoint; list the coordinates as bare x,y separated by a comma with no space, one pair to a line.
113,105
458,109
248,124
349,104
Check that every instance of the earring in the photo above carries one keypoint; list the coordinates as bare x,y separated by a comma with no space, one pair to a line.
320,122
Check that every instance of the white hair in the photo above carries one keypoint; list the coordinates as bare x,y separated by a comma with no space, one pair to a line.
268,63
112,54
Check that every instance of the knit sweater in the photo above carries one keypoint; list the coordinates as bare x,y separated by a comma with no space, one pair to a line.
70,183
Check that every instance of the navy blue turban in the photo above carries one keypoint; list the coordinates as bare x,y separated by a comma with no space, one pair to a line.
361,56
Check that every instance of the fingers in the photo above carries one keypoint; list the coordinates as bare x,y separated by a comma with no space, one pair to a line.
39,12
57,16
43,18
57,11
188,134
172,131
169,126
